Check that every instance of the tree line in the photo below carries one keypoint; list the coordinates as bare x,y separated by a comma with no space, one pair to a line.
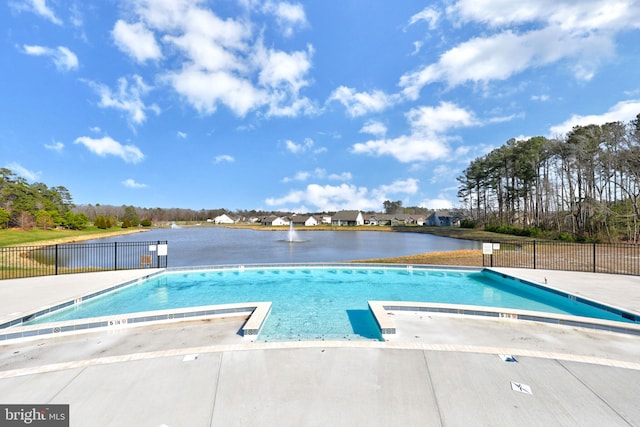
27,205
582,186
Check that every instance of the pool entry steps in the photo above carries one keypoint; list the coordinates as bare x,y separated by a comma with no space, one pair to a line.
381,309
256,313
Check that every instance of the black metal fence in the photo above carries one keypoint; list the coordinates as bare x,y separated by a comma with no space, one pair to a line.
546,255
30,261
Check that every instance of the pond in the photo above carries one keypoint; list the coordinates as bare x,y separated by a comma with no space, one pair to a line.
192,246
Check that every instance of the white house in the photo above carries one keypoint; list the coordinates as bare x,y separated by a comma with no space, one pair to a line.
223,219
312,221
273,220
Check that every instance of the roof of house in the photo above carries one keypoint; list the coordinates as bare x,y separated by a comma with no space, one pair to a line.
302,218
345,216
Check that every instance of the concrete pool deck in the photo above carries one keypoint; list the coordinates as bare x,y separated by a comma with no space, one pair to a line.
437,370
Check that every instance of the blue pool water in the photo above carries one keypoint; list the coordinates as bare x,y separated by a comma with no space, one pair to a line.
324,303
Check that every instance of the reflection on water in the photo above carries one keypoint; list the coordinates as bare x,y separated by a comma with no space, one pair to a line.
192,246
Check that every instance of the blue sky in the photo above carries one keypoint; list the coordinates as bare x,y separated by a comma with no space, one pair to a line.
306,107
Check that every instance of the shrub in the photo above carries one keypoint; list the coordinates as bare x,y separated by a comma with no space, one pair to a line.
514,231
467,223
102,222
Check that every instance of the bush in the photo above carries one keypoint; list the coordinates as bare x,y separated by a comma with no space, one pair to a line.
514,231
146,222
102,222
467,223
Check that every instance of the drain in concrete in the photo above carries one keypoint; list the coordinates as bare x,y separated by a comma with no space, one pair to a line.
521,388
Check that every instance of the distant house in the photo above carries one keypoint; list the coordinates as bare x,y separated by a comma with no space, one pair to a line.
353,218
419,220
311,221
273,220
304,220
383,219
223,219
441,218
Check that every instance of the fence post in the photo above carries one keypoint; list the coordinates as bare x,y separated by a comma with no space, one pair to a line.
115,255
534,254
491,255
594,257
56,260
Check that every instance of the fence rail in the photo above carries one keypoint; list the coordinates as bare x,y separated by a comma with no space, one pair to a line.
30,261
591,257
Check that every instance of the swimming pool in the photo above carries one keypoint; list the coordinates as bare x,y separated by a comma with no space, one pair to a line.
325,302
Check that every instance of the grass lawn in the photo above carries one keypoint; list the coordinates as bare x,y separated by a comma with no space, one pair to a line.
46,237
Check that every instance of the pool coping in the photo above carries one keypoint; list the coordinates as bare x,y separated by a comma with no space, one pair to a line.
257,312
381,309
611,308
21,318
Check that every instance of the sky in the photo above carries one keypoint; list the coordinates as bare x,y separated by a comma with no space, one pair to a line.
299,106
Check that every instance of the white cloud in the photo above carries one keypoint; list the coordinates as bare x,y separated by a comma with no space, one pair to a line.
344,176
329,197
299,176
524,35
428,15
437,203
95,129
427,139
131,183
20,170
224,158
417,45
407,186
289,16
503,119
292,147
54,146
541,98
214,61
62,57
442,173
361,103
204,90
107,146
278,68
39,7
318,173
569,14
284,75
441,118
136,41
623,111
344,196
375,128
181,135
127,98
